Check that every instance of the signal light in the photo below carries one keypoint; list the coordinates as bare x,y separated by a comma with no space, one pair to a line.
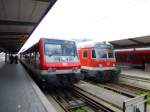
114,65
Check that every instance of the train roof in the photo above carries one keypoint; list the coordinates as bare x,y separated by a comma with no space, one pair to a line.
47,38
95,44
54,40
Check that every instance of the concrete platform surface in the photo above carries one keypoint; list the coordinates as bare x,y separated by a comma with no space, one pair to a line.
18,93
136,72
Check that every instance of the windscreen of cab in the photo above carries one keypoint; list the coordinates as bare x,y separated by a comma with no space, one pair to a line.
60,51
100,53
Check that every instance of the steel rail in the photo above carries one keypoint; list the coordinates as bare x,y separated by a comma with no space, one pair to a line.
98,102
115,89
135,78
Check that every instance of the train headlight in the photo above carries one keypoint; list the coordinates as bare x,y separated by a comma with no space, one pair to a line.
114,65
100,65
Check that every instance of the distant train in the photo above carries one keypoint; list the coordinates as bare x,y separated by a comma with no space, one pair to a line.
133,57
54,61
98,61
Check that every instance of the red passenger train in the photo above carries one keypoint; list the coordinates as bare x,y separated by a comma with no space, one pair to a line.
133,57
53,60
98,61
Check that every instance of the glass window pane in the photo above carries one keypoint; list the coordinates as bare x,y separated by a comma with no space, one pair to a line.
93,54
53,49
84,54
68,50
59,52
110,55
101,54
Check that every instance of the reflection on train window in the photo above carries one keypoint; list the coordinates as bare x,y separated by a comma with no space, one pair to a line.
53,50
101,54
68,50
84,54
59,50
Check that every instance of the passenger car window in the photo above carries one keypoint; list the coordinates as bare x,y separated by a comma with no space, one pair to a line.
93,54
84,54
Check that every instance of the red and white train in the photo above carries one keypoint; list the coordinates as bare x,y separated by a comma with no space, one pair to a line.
53,60
133,57
98,61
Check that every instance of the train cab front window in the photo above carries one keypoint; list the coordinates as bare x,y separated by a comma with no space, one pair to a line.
101,54
68,50
53,50
59,52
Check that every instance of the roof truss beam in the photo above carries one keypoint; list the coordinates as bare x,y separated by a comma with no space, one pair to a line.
4,44
136,41
9,38
11,41
8,22
13,33
43,0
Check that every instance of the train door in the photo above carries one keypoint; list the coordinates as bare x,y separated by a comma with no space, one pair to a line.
37,56
130,58
85,56
93,61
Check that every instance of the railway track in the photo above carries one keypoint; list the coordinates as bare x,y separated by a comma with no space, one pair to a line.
67,101
82,97
134,81
77,98
97,103
119,89
73,99
129,86
112,99
126,88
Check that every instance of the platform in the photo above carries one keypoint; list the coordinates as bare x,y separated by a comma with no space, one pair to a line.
136,72
18,92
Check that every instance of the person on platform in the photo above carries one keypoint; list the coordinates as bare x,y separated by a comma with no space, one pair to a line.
11,59
16,59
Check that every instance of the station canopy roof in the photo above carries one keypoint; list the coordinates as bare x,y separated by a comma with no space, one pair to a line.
18,19
138,42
